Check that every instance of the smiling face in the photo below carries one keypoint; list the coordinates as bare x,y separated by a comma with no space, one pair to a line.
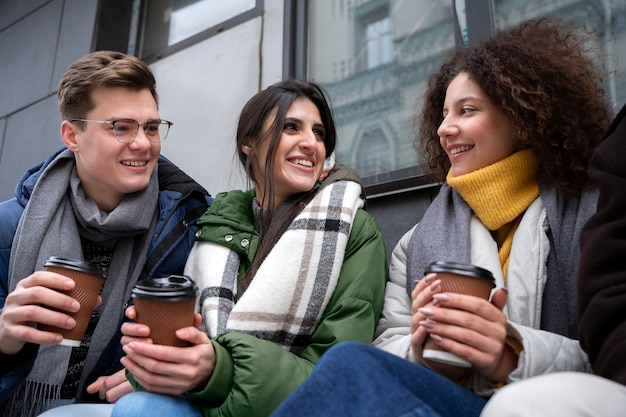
300,154
474,132
108,169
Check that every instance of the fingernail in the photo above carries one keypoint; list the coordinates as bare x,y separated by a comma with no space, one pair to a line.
436,337
75,305
426,311
428,278
435,285
441,297
426,324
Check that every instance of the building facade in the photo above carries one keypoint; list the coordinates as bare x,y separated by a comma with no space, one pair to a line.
209,56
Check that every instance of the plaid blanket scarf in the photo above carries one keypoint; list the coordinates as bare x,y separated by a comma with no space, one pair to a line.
295,282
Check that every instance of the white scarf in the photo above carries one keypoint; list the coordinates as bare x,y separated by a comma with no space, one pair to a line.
295,282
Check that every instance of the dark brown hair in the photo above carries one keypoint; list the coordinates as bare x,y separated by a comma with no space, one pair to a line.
275,101
541,75
278,98
100,69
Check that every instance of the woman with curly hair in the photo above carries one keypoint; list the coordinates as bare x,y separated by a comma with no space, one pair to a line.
510,124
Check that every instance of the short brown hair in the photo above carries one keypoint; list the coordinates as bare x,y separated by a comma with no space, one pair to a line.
100,69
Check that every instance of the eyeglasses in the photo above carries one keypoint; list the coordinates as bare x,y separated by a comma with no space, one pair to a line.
125,130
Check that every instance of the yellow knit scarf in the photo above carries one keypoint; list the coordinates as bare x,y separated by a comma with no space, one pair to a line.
499,194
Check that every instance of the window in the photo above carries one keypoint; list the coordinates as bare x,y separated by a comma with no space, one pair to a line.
152,29
373,58
607,19
169,22
374,152
378,41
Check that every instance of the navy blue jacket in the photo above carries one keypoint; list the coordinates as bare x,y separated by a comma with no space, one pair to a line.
181,202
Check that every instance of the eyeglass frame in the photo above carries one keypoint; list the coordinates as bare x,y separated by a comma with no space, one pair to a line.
134,133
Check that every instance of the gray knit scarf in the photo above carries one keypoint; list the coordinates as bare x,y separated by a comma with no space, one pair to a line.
52,224
444,234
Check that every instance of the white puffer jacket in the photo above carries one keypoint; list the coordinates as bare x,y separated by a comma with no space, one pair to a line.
543,352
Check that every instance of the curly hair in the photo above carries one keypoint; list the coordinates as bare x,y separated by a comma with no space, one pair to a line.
541,75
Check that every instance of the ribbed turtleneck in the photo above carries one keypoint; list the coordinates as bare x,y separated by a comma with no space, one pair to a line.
499,194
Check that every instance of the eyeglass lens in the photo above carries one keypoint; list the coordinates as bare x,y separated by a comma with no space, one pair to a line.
125,130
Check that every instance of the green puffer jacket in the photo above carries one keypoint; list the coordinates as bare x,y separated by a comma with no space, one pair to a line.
252,376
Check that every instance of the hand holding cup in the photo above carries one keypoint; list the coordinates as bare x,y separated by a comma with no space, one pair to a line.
165,304
458,278
88,284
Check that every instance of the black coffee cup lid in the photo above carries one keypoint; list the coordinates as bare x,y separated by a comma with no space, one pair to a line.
169,288
460,269
74,264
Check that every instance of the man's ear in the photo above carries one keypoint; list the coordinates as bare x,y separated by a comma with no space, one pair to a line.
69,134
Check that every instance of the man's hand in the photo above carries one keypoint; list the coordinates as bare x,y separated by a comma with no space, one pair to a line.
112,387
36,300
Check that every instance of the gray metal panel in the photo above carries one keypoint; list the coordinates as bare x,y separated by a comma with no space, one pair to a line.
295,40
44,38
3,123
480,20
13,10
396,214
31,136
475,16
76,35
27,52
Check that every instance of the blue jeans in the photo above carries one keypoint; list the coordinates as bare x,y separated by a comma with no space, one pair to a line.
142,403
79,410
355,379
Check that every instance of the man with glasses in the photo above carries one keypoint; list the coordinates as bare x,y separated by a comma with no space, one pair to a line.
107,197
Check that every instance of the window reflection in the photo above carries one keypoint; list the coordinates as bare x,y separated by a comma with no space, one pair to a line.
379,43
374,150
373,58
606,18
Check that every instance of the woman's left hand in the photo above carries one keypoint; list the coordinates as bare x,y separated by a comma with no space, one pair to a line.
473,329
169,369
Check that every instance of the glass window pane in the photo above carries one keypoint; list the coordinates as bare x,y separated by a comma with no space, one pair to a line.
607,18
379,41
169,22
373,58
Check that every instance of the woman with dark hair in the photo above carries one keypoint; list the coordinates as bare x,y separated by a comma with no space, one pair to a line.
286,270
510,124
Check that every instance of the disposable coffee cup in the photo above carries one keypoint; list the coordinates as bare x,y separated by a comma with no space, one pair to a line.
165,304
89,282
458,278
